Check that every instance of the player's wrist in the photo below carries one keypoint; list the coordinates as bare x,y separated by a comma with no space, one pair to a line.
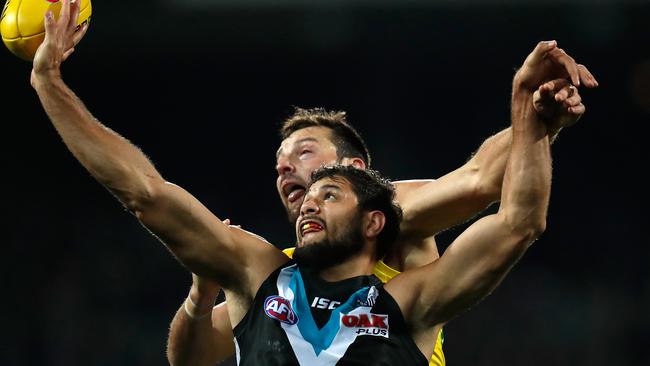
45,78
203,295
521,90
195,311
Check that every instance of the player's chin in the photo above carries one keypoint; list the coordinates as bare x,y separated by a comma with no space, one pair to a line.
310,238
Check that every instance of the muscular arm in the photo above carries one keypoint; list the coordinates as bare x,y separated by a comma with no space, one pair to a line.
481,256
431,206
194,235
188,229
435,205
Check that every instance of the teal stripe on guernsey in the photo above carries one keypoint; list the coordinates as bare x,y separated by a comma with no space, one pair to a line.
320,339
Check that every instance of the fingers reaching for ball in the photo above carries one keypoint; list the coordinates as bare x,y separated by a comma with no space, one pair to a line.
66,24
23,23
76,38
61,36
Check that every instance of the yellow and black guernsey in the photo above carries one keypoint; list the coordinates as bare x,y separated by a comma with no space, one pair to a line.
296,318
385,273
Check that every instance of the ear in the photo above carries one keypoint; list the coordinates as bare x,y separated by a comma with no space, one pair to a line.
355,162
374,224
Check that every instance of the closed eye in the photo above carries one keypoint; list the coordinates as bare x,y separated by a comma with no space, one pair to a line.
306,154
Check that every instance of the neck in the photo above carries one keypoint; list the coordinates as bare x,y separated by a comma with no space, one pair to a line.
358,265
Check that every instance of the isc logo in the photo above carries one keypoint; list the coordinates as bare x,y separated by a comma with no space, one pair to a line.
279,308
323,303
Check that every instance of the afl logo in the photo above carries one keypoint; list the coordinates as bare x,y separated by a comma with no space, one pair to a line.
279,308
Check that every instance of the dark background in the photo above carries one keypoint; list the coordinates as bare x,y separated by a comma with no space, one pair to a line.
202,91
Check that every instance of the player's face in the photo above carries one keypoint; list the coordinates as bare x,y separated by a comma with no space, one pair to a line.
328,229
298,156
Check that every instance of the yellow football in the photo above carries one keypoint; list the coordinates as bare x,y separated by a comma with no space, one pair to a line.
23,27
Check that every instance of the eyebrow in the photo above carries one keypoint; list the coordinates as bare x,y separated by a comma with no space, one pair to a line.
304,139
330,186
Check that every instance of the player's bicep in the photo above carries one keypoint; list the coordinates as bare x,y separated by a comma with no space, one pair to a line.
471,267
438,204
194,235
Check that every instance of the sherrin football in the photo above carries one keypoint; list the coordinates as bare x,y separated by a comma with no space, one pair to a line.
23,27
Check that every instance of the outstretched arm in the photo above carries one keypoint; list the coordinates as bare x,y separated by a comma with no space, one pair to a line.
200,240
433,206
482,255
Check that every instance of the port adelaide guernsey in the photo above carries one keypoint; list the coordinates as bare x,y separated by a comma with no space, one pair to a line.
296,318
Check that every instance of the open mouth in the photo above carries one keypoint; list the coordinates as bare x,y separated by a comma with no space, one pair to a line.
307,227
293,191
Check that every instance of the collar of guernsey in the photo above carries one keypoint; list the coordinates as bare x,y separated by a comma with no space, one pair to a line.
381,270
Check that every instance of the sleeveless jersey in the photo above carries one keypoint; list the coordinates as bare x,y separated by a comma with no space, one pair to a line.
385,273
296,318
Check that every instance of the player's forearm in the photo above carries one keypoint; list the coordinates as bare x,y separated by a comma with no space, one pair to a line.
205,338
489,162
190,340
458,196
527,181
480,257
110,158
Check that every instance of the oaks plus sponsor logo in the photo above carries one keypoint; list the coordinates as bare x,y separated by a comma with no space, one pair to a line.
367,324
279,308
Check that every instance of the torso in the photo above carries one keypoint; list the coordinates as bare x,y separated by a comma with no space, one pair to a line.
351,322
385,273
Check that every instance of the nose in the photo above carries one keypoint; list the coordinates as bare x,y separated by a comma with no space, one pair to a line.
309,206
284,166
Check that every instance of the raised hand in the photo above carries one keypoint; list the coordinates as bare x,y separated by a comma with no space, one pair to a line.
548,62
559,103
61,36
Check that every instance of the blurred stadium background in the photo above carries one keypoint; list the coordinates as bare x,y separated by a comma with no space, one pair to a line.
202,86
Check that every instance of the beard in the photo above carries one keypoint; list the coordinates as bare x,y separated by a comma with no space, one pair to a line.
332,251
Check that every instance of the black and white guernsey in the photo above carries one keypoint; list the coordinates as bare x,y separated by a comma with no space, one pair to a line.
297,318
